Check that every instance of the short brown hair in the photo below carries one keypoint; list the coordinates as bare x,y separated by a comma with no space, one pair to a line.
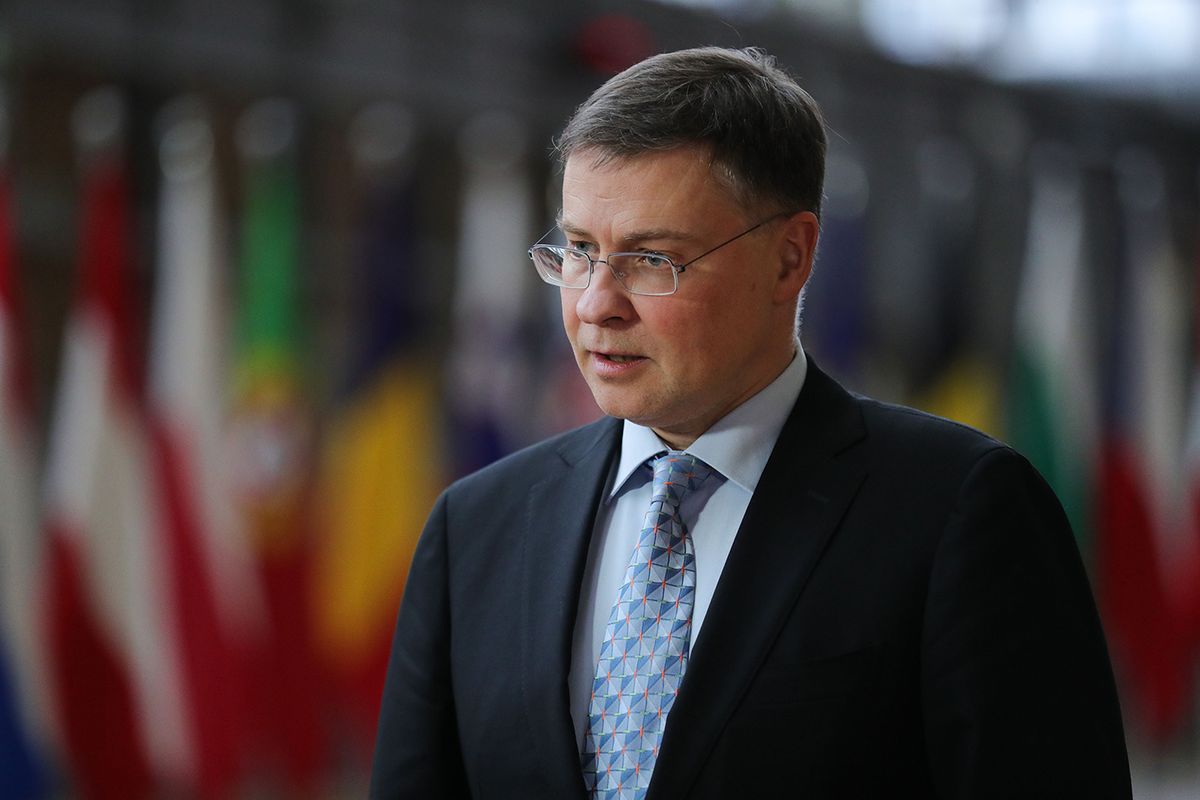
765,132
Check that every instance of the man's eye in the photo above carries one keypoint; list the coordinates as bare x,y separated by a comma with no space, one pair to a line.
654,261
586,247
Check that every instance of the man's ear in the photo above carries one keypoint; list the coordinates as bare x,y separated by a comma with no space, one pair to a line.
798,248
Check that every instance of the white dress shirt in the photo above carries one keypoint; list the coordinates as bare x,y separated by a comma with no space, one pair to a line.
737,447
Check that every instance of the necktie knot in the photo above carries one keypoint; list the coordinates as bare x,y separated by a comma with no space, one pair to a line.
675,474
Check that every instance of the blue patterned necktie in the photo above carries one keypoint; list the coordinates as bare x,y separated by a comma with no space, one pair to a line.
645,648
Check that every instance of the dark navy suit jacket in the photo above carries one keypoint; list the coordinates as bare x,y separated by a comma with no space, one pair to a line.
903,613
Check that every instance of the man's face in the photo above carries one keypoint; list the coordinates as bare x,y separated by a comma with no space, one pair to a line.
678,363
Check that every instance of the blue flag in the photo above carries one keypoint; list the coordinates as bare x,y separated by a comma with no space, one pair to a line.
23,774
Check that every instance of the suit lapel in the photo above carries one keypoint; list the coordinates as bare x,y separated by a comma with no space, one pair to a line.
800,499
559,519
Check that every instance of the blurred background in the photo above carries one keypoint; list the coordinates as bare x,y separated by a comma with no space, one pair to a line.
264,292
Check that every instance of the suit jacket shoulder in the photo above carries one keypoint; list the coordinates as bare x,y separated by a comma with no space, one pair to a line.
479,505
532,463
903,612
914,438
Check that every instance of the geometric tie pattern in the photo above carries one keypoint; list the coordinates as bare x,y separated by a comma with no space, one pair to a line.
645,648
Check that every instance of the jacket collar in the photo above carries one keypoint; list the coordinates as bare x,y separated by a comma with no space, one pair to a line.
810,479
553,562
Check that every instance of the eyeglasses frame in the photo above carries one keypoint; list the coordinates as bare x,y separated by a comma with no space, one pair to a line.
676,269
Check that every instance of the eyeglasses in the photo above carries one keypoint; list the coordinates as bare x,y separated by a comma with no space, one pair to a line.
645,273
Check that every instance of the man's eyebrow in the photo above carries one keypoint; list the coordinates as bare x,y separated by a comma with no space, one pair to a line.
633,237
568,228
657,235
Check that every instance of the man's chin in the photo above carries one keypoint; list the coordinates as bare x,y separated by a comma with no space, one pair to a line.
621,407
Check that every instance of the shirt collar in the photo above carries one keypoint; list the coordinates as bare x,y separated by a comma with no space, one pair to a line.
737,445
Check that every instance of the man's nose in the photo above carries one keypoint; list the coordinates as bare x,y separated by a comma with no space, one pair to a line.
604,298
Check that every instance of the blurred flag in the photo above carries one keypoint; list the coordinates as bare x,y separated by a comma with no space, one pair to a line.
271,435
1141,461
953,378
1190,601
111,642
22,734
20,763
1053,411
965,390
213,586
382,468
836,299
490,370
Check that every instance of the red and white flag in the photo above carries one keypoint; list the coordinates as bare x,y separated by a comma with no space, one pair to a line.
212,592
111,641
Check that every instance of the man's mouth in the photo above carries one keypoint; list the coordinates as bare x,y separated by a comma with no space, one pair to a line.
617,360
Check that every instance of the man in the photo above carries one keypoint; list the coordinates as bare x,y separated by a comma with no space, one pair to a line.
745,582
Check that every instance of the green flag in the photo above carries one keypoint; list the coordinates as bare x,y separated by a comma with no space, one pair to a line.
1053,403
